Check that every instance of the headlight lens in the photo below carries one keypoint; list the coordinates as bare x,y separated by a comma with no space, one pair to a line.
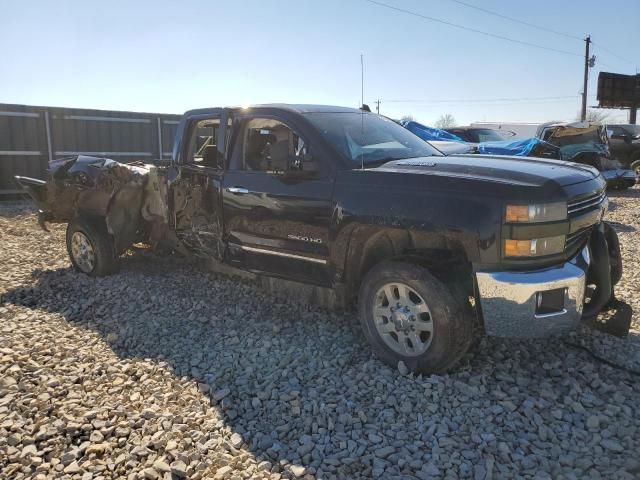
537,212
537,247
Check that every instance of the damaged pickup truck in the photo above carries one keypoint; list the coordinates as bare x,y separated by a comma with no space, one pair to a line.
429,247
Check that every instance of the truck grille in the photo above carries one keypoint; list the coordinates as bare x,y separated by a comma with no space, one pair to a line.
592,201
579,206
577,239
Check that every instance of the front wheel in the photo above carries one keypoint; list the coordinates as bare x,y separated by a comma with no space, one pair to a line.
91,247
408,315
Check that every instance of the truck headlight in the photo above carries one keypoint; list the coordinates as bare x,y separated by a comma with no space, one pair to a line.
536,212
537,247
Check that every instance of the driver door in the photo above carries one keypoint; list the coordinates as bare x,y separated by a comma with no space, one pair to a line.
277,202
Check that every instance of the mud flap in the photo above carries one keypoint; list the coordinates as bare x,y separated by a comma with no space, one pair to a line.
605,312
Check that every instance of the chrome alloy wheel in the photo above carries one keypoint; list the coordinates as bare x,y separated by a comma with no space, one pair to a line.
403,319
82,251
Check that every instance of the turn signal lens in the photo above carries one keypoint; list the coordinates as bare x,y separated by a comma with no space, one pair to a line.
517,248
517,213
536,247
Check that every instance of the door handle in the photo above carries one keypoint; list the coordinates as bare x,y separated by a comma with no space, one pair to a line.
238,190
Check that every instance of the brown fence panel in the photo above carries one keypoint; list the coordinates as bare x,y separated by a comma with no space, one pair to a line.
30,136
23,144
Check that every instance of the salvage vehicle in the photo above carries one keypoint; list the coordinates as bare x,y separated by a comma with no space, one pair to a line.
429,247
624,144
448,142
445,142
587,143
476,134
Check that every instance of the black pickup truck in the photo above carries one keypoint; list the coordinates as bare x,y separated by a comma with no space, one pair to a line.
429,247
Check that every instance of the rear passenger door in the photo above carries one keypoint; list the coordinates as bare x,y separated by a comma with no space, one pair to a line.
195,196
277,201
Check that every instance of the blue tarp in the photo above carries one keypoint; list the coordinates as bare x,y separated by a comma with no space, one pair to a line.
428,133
519,148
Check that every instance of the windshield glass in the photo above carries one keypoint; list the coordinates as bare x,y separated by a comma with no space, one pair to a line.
488,135
369,138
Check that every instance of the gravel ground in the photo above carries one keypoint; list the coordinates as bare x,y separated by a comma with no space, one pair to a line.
166,371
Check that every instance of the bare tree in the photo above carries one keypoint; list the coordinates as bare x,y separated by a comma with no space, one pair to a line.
595,116
445,121
407,118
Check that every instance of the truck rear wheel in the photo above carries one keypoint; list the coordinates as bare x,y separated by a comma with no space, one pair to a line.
91,247
409,315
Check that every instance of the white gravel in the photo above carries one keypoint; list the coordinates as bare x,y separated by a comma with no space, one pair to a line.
167,371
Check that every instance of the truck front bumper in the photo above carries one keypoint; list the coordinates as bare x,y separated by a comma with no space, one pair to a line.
536,303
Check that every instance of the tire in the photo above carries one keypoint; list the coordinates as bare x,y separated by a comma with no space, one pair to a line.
424,352
635,166
91,247
615,258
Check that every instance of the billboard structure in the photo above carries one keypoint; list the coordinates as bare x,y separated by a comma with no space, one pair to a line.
619,91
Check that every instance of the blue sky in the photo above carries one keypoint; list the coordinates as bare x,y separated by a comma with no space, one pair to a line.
162,56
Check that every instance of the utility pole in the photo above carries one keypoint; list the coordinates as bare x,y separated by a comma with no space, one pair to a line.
583,115
377,102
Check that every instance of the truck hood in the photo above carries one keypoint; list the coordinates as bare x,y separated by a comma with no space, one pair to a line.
526,171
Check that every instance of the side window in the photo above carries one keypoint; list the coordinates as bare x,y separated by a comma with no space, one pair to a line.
202,147
271,146
613,130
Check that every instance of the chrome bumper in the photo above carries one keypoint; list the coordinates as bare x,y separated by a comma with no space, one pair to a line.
510,301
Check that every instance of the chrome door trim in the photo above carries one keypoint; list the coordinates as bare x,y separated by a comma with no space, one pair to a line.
237,190
283,254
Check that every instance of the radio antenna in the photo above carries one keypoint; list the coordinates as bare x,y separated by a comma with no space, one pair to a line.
362,108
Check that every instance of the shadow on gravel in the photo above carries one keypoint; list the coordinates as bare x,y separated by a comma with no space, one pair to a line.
633,192
297,382
17,208
621,227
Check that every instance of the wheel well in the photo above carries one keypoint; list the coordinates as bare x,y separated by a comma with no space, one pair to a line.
445,260
88,217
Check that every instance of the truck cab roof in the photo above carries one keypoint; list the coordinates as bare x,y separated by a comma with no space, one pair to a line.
287,107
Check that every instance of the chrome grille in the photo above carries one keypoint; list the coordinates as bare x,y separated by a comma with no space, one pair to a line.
586,203
576,239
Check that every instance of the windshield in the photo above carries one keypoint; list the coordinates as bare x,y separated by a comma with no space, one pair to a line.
369,138
488,135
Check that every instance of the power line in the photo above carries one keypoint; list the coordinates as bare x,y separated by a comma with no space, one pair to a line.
469,29
540,27
600,62
610,52
488,100
522,22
